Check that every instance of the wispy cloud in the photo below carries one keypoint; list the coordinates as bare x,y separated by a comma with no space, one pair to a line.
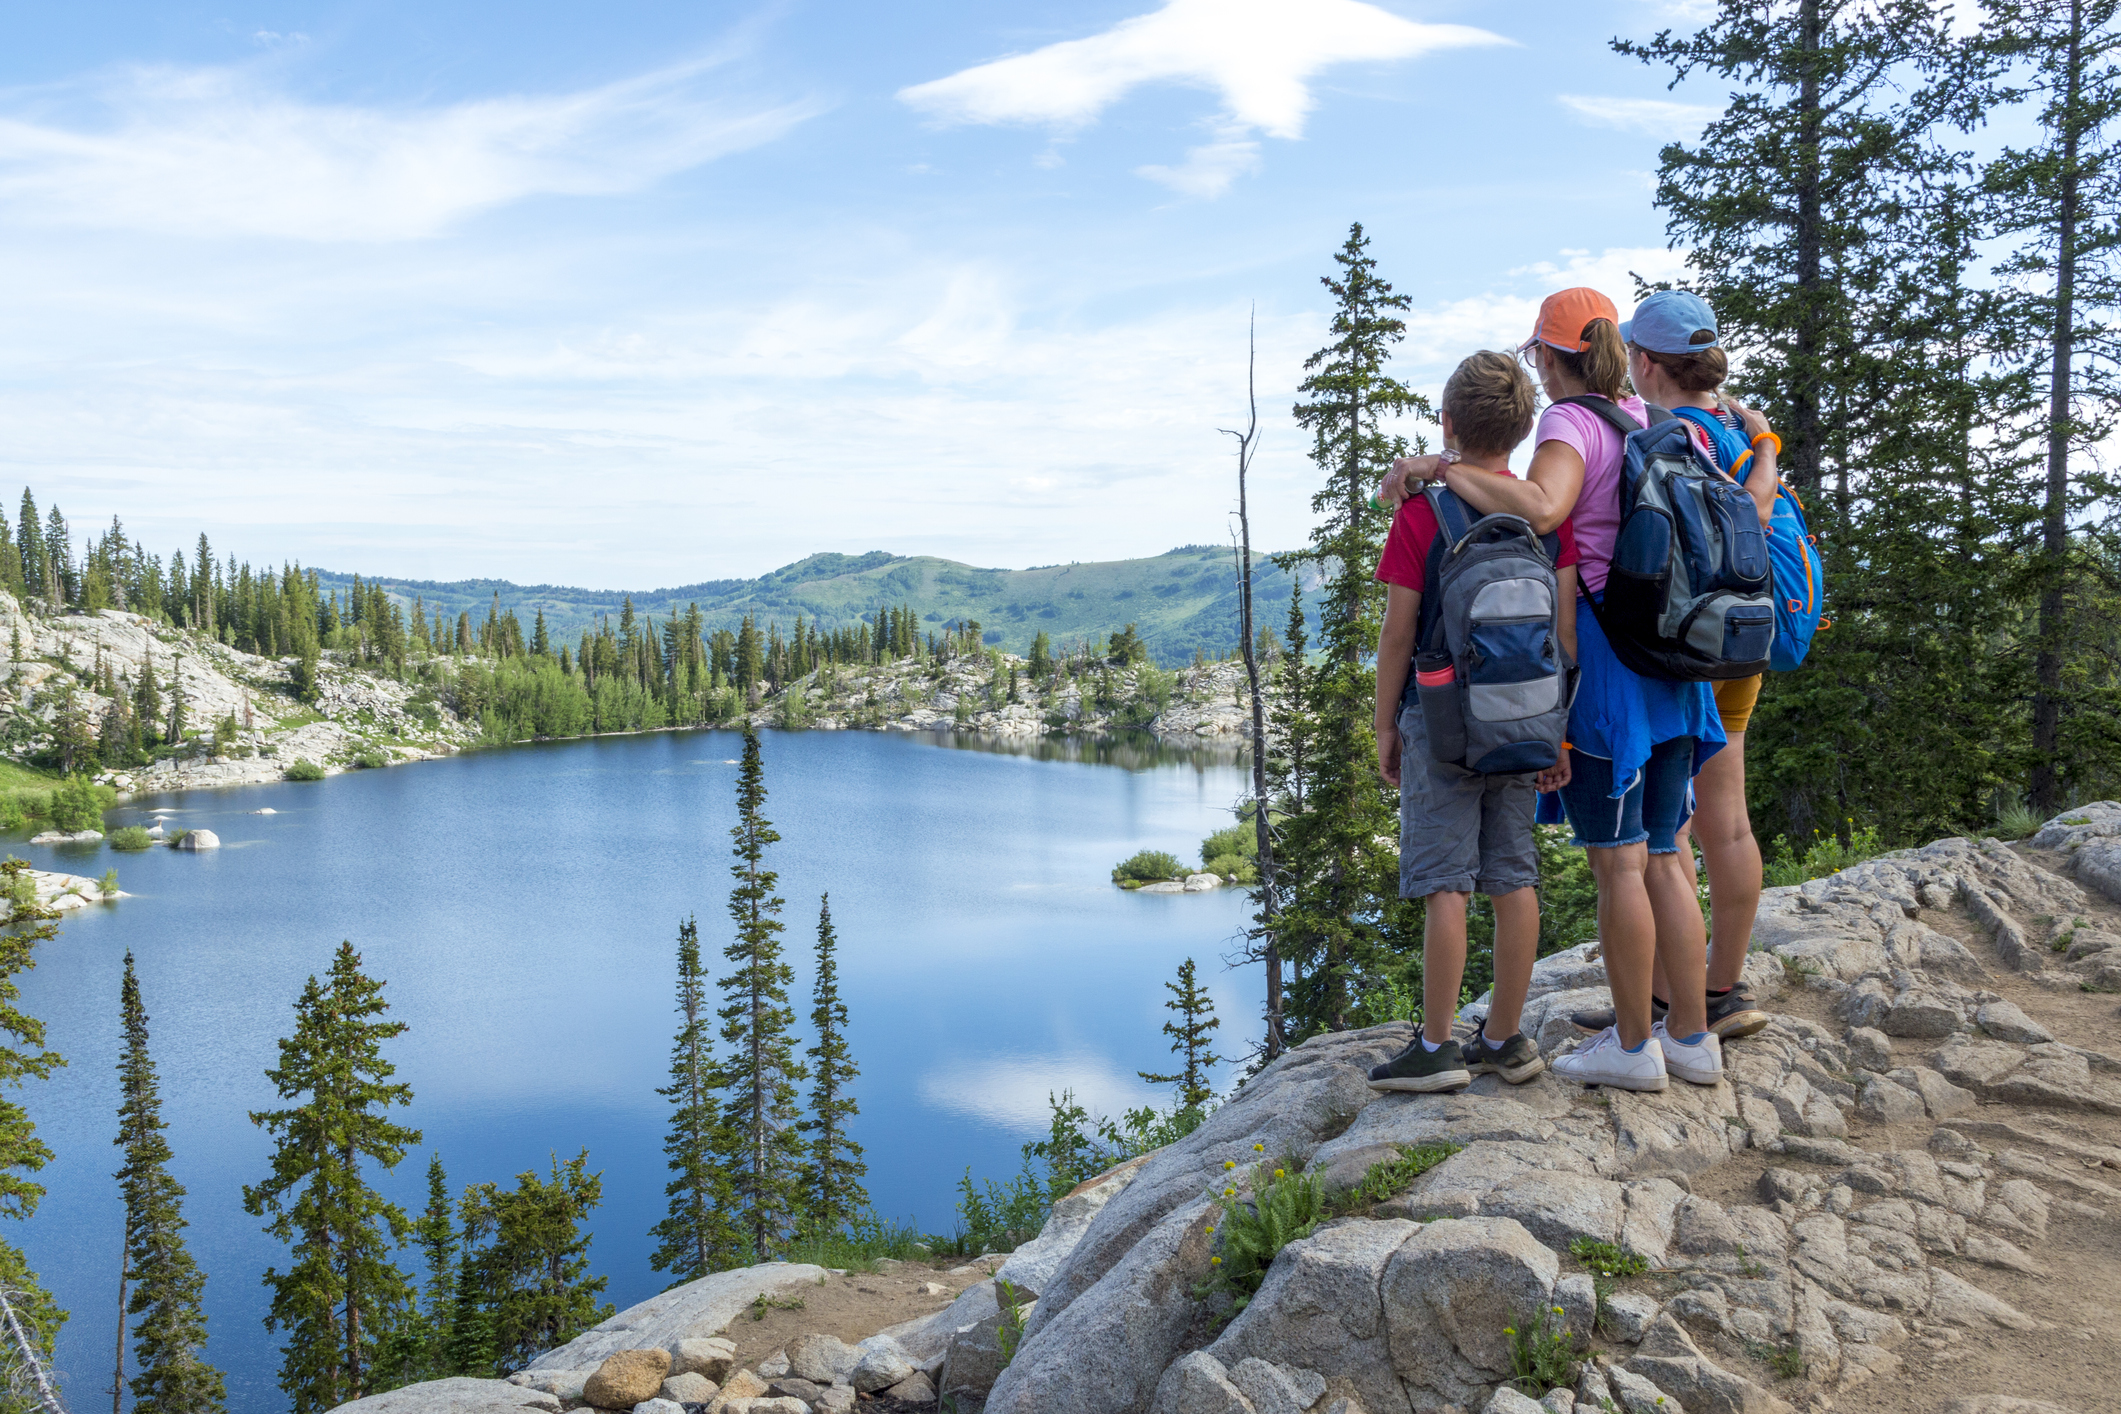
223,152
1258,56
1657,117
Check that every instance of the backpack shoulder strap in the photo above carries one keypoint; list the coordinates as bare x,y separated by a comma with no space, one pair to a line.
1607,409
1452,521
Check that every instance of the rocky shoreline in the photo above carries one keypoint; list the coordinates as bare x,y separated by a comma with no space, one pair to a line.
1904,1197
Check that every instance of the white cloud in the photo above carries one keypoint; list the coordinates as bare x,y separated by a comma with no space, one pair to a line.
1013,1093
1656,117
1208,169
1259,56
220,152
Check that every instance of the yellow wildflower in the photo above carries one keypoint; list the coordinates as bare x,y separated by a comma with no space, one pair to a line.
1229,1164
1259,1148
1215,1261
1277,1173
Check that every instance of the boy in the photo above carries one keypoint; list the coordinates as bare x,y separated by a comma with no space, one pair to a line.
1458,830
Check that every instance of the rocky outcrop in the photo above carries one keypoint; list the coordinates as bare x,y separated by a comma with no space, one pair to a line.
1845,1259
666,1322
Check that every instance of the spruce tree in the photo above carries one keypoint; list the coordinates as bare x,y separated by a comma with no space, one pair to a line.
23,1057
1341,917
166,1285
336,1300
760,1074
2058,203
833,1193
436,1235
530,1255
1191,1038
698,1236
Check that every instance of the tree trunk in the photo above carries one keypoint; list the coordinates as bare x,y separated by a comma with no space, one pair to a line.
1263,834
1805,453
117,1379
2044,791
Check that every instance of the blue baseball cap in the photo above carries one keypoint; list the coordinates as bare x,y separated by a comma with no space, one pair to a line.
1667,321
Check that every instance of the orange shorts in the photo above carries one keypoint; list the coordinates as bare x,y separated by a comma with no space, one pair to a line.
1734,702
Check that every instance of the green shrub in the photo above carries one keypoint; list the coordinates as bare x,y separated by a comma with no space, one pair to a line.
108,884
1286,1207
1148,867
1234,867
76,805
1239,839
2016,821
1825,855
12,815
305,769
370,760
132,837
1607,1260
176,839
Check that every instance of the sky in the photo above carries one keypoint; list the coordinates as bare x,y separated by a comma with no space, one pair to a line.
633,295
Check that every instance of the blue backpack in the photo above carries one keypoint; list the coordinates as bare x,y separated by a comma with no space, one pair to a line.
1690,596
1800,580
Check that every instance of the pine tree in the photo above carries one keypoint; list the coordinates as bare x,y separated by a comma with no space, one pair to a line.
336,1301
761,1073
29,543
698,1236
23,1057
832,1177
531,1258
2058,202
175,732
1190,1038
167,1286
1342,918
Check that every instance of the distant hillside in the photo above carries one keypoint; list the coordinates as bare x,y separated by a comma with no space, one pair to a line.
1180,601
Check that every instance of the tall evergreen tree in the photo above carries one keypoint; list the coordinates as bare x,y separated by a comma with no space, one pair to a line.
29,543
1191,1038
167,1285
698,1236
761,1073
23,1057
1341,913
833,1194
531,1257
336,1300
2057,202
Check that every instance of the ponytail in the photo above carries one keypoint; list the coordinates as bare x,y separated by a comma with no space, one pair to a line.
1602,367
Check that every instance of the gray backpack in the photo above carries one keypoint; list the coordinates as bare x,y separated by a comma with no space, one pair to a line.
1492,677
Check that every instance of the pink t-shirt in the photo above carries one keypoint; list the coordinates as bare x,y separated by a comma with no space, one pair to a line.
1597,514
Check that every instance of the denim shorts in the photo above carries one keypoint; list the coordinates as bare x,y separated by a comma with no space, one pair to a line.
1460,832
1654,806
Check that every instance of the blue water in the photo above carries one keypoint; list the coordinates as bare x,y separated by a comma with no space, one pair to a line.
523,908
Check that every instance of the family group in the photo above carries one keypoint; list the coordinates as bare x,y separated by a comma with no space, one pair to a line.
1653,504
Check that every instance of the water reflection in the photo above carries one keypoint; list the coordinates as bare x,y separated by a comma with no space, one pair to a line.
1128,750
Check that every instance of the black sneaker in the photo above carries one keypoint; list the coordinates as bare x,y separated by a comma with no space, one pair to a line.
1422,1070
1593,1022
1515,1060
1735,1014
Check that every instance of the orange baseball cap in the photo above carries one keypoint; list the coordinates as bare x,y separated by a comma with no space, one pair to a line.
1565,314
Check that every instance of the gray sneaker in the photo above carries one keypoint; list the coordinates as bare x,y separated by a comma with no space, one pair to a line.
1423,1071
1515,1060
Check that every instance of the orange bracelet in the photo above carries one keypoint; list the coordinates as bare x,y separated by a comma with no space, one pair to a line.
1769,437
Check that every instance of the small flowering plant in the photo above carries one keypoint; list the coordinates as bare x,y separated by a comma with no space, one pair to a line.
1542,1354
1279,1204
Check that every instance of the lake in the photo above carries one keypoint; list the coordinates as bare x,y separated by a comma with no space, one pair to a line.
523,907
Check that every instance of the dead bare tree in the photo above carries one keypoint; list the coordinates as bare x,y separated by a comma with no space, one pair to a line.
22,1366
1269,950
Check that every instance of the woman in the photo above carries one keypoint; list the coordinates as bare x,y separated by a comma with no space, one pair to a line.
1676,360
1635,742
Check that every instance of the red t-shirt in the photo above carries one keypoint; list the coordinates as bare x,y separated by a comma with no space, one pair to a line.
1406,557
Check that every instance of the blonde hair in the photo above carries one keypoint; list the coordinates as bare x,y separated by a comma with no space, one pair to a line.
1491,402
1602,367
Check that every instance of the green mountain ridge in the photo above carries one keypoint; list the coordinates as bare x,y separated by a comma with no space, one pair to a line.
1182,601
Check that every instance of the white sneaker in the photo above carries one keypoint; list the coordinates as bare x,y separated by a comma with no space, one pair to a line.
1701,1064
1602,1060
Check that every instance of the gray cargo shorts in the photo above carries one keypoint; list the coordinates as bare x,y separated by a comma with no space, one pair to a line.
1460,832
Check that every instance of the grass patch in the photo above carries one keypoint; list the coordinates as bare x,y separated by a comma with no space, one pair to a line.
1389,1177
1786,1360
370,760
1607,1260
2016,821
132,839
762,1305
305,769
860,1245
1150,866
